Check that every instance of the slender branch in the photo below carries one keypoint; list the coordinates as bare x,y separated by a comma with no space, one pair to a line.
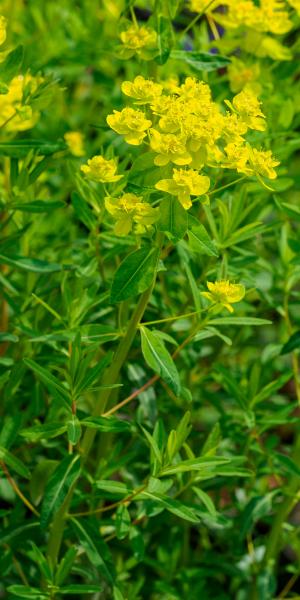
17,489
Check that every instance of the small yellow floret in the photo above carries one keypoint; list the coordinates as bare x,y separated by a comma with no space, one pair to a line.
74,139
143,90
131,123
101,170
225,293
185,183
130,212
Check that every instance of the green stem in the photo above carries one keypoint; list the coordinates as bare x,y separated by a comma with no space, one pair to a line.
110,377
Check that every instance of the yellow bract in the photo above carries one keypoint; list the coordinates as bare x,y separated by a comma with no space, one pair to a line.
169,148
138,40
74,139
225,293
268,15
130,123
263,163
101,170
3,24
247,106
185,183
142,90
130,212
14,114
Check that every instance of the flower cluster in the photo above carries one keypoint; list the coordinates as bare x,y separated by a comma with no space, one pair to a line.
138,40
101,170
224,293
188,134
131,213
15,114
187,129
266,16
74,140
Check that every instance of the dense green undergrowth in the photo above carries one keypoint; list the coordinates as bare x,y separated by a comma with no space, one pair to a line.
149,312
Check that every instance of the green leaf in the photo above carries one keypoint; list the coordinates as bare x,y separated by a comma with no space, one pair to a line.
87,532
50,380
201,61
135,274
12,64
78,588
268,390
43,432
35,265
38,206
207,501
153,445
195,464
164,39
107,424
174,506
14,463
173,218
158,358
24,591
83,211
292,344
239,321
74,430
118,488
20,148
200,240
65,565
58,486
123,522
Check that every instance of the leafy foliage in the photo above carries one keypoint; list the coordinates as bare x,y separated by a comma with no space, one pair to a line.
149,309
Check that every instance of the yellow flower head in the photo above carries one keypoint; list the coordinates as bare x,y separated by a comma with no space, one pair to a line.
138,40
130,123
101,170
263,163
192,89
185,183
143,90
130,212
74,139
224,293
237,156
3,24
247,106
16,115
169,148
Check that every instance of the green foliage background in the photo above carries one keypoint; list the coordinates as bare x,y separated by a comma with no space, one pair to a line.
190,488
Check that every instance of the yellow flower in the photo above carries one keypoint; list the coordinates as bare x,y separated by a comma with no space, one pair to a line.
14,114
130,212
237,157
3,24
138,40
185,183
101,170
263,163
169,148
143,90
130,123
247,105
74,139
194,90
224,293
